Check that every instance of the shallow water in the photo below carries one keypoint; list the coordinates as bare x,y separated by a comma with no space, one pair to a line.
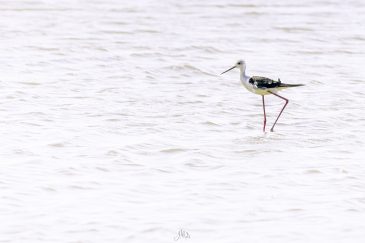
117,127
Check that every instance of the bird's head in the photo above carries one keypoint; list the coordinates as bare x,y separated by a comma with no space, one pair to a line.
240,64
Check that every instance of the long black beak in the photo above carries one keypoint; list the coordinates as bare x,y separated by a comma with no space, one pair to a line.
228,70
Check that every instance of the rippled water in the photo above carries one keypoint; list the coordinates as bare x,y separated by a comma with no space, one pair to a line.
117,127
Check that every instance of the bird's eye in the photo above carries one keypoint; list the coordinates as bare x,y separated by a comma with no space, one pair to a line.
239,63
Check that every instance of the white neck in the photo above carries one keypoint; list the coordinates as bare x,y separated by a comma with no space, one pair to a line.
244,77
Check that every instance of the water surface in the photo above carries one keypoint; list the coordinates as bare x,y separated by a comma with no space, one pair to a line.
117,127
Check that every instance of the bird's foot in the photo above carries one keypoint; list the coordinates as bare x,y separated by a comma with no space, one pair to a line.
272,130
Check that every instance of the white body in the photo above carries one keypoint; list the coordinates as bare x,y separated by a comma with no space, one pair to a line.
250,87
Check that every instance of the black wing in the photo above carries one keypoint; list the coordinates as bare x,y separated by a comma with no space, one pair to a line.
264,83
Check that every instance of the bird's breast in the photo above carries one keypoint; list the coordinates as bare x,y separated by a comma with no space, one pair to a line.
247,85
252,88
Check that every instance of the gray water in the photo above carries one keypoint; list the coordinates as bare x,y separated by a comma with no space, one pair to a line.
116,126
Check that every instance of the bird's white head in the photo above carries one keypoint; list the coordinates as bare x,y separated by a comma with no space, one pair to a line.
240,64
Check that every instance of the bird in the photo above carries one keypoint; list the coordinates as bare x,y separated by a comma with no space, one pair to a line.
262,86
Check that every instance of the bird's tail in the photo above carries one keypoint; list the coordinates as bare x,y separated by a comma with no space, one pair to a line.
290,85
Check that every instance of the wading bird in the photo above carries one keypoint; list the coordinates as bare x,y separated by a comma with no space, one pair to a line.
262,86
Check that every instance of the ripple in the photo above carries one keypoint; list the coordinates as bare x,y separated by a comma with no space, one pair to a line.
57,145
173,150
313,171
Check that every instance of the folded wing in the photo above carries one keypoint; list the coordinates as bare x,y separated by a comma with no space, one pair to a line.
267,83
264,83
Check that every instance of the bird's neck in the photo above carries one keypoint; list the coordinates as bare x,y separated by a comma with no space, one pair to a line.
243,73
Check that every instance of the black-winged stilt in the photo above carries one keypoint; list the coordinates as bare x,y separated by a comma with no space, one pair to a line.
262,86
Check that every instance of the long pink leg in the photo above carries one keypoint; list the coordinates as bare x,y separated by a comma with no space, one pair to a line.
263,105
286,102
